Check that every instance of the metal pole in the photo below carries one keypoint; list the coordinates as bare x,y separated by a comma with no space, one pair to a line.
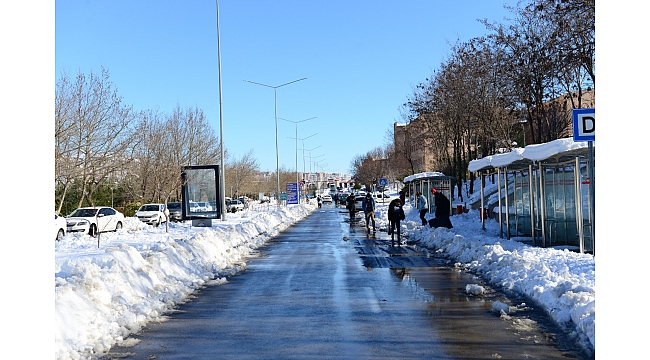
542,202
222,184
296,123
297,182
578,204
277,152
592,194
480,174
500,208
531,202
505,175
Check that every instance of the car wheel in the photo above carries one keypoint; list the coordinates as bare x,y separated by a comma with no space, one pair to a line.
92,231
118,226
60,234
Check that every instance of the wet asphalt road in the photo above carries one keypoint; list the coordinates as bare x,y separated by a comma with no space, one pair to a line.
325,290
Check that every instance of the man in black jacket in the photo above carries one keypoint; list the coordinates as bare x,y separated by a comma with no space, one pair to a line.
442,211
351,207
395,216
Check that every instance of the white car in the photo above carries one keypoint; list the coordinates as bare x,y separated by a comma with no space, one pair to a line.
60,225
94,220
234,205
383,198
205,206
152,214
326,198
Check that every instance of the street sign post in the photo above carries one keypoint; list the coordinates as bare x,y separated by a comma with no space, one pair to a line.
292,196
584,129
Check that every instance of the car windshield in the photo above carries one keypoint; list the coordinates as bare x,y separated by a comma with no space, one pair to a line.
174,205
149,208
84,213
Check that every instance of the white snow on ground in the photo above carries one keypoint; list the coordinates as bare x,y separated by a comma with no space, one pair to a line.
103,294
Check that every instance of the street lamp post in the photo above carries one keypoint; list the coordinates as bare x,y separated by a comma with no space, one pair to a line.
277,153
222,170
523,128
311,160
297,122
303,156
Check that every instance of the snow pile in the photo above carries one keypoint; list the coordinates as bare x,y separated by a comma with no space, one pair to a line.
474,289
103,294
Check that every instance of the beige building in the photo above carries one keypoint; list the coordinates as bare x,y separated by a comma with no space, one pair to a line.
413,143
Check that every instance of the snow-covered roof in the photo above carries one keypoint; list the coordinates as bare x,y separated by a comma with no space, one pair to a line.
536,152
425,175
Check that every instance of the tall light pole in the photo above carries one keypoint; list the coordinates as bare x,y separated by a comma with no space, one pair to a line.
303,160
296,123
303,156
313,162
277,153
222,170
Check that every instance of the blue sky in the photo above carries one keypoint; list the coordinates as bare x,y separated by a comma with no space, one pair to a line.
360,59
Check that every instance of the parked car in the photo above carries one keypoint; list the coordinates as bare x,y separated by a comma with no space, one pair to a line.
265,199
94,220
152,214
175,211
382,198
194,207
204,206
244,201
326,198
234,205
60,225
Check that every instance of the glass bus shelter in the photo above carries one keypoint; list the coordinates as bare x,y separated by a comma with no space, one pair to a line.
543,193
424,182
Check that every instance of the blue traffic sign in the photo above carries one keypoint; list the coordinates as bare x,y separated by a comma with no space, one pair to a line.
584,124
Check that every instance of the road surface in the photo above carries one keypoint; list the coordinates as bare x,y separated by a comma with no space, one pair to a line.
325,290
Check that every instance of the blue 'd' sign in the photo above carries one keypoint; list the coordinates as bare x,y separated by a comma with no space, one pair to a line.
584,124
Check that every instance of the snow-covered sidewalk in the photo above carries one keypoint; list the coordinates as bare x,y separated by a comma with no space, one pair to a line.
102,295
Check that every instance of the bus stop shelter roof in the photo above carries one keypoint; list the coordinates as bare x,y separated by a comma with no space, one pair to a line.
427,176
556,150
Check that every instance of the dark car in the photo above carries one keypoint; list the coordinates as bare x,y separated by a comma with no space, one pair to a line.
174,211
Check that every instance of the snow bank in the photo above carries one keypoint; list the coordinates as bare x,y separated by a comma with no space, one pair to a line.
103,294
559,280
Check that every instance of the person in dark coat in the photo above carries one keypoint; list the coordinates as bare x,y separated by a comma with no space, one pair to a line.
368,206
351,207
442,211
395,216
402,197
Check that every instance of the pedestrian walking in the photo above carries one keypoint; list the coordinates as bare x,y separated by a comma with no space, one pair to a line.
442,211
423,207
320,201
351,207
402,197
368,206
395,216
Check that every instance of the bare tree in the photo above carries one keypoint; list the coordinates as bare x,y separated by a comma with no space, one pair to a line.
96,131
241,173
